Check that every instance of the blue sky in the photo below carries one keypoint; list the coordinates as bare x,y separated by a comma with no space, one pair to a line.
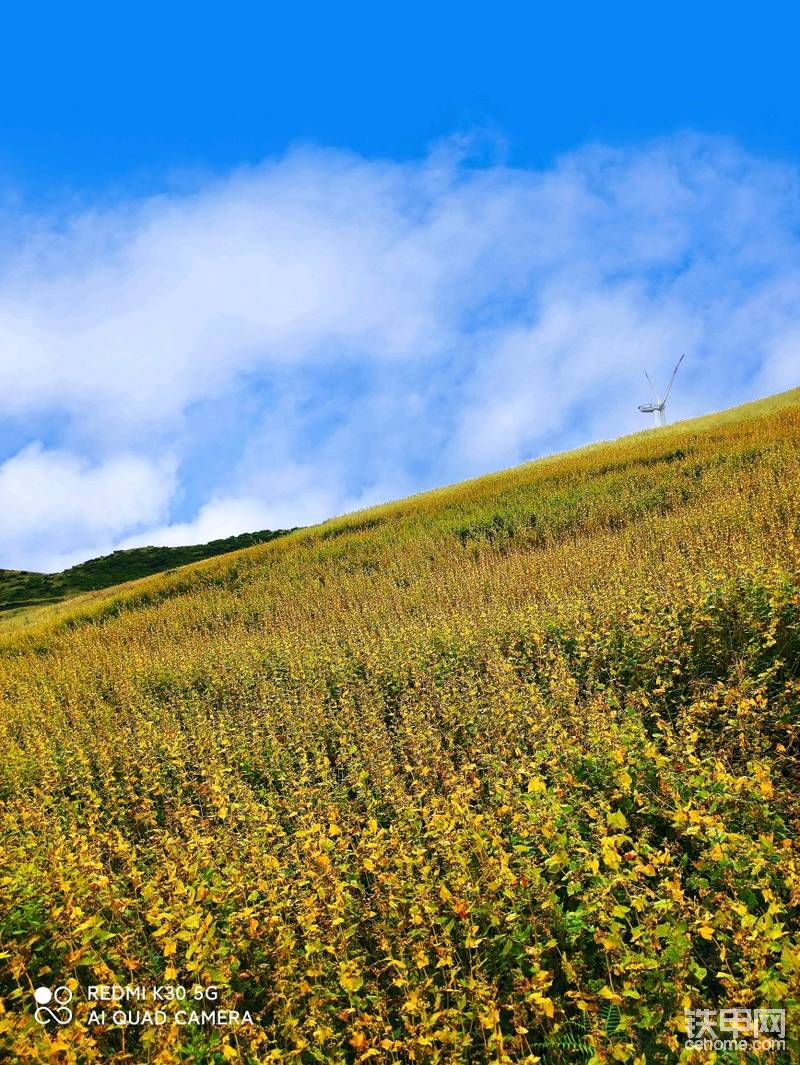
262,264
99,98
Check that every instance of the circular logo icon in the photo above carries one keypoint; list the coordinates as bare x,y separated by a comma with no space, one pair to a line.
60,1012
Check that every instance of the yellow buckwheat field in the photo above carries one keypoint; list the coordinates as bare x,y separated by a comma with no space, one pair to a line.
506,772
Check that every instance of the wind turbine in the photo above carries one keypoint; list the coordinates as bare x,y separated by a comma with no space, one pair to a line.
657,407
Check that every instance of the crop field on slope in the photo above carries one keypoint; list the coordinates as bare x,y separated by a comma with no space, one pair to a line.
503,773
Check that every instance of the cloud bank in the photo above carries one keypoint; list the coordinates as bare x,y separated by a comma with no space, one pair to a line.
324,331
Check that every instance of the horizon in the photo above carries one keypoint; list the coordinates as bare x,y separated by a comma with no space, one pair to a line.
487,475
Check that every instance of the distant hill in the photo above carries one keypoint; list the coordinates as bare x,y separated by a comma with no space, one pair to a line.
20,588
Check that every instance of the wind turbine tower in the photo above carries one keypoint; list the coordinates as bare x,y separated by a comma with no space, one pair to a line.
656,408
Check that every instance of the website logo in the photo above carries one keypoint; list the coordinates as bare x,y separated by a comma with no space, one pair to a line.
736,1029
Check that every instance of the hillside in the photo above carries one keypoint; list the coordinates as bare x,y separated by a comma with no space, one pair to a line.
506,772
20,588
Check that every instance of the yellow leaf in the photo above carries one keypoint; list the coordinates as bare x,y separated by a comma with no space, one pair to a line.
350,977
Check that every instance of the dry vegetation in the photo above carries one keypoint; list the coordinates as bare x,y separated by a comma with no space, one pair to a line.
503,773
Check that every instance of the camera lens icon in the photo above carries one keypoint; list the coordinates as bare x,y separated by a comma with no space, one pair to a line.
60,996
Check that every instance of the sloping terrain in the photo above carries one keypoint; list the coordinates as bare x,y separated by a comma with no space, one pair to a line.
506,772
21,588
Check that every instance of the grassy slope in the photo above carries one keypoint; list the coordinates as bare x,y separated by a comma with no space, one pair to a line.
451,780
23,608
20,589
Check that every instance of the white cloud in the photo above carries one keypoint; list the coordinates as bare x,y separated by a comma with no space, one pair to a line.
51,500
583,356
229,516
323,330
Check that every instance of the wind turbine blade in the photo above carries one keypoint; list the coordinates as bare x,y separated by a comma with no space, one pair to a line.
672,379
652,389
